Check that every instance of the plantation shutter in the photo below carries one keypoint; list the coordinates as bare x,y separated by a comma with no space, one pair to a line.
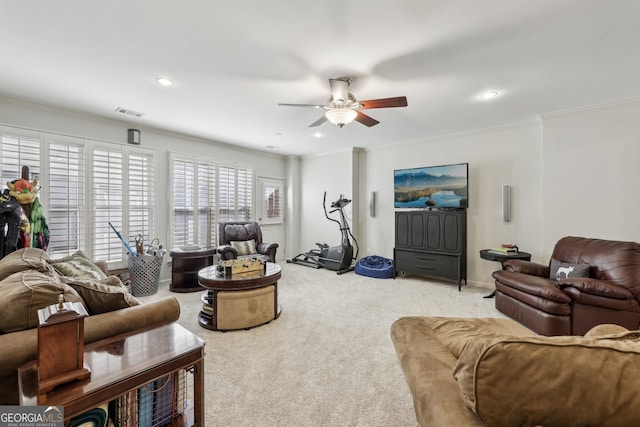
193,203
234,194
182,202
19,150
226,193
207,224
66,189
244,192
203,194
107,193
85,185
141,191
124,195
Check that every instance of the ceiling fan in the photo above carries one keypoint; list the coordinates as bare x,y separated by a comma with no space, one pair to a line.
343,108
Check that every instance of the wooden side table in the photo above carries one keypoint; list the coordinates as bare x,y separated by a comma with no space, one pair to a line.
185,266
501,258
122,364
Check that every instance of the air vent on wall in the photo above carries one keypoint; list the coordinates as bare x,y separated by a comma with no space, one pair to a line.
128,112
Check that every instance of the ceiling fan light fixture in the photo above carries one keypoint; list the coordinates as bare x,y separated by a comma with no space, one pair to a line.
341,116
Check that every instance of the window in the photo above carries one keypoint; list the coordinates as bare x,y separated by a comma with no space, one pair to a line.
271,201
85,185
203,193
66,201
19,148
123,196
107,204
142,201
234,194
193,203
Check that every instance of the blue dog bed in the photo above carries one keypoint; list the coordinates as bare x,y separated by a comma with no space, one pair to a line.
375,266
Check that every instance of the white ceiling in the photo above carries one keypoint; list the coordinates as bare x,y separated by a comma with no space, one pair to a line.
233,61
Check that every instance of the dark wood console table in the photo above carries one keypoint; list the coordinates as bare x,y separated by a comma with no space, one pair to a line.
122,364
185,266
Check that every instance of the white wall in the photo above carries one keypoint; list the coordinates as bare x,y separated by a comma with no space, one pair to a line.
508,155
292,215
335,173
572,173
591,173
44,119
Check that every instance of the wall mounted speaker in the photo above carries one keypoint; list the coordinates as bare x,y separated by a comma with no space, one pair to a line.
372,203
133,136
506,203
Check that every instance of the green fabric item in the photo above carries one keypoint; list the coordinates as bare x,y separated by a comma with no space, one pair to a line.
96,417
77,266
39,228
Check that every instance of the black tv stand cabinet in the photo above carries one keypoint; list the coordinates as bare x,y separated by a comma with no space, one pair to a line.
432,243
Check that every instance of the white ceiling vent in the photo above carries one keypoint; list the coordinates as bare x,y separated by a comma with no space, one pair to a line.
128,112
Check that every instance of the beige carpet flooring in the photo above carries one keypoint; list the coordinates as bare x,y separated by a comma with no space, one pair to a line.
328,360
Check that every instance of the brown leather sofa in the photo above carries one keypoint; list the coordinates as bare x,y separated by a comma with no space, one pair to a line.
240,232
573,305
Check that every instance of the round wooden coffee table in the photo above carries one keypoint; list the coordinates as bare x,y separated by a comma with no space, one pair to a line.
241,301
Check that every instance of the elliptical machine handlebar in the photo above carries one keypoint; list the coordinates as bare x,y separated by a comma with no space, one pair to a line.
324,206
340,203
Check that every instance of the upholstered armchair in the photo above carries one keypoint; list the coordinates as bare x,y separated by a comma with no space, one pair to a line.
244,239
586,283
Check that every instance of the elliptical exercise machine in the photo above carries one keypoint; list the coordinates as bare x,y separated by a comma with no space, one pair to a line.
335,258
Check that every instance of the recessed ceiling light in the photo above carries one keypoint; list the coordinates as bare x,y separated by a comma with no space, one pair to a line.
489,94
164,81
317,134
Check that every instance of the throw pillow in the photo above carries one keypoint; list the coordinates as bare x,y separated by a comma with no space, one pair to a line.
102,296
561,270
513,381
77,265
24,259
24,293
245,247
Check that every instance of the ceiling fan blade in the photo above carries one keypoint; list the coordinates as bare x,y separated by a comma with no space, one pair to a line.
399,101
301,105
339,89
366,120
318,122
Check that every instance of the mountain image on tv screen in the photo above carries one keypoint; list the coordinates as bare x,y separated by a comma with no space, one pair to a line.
432,187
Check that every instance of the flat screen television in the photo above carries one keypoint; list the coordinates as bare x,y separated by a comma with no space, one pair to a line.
443,186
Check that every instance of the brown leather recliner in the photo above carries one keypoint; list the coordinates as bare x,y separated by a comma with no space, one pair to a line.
243,231
573,305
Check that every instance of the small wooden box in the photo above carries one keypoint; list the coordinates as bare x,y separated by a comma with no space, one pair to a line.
61,345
